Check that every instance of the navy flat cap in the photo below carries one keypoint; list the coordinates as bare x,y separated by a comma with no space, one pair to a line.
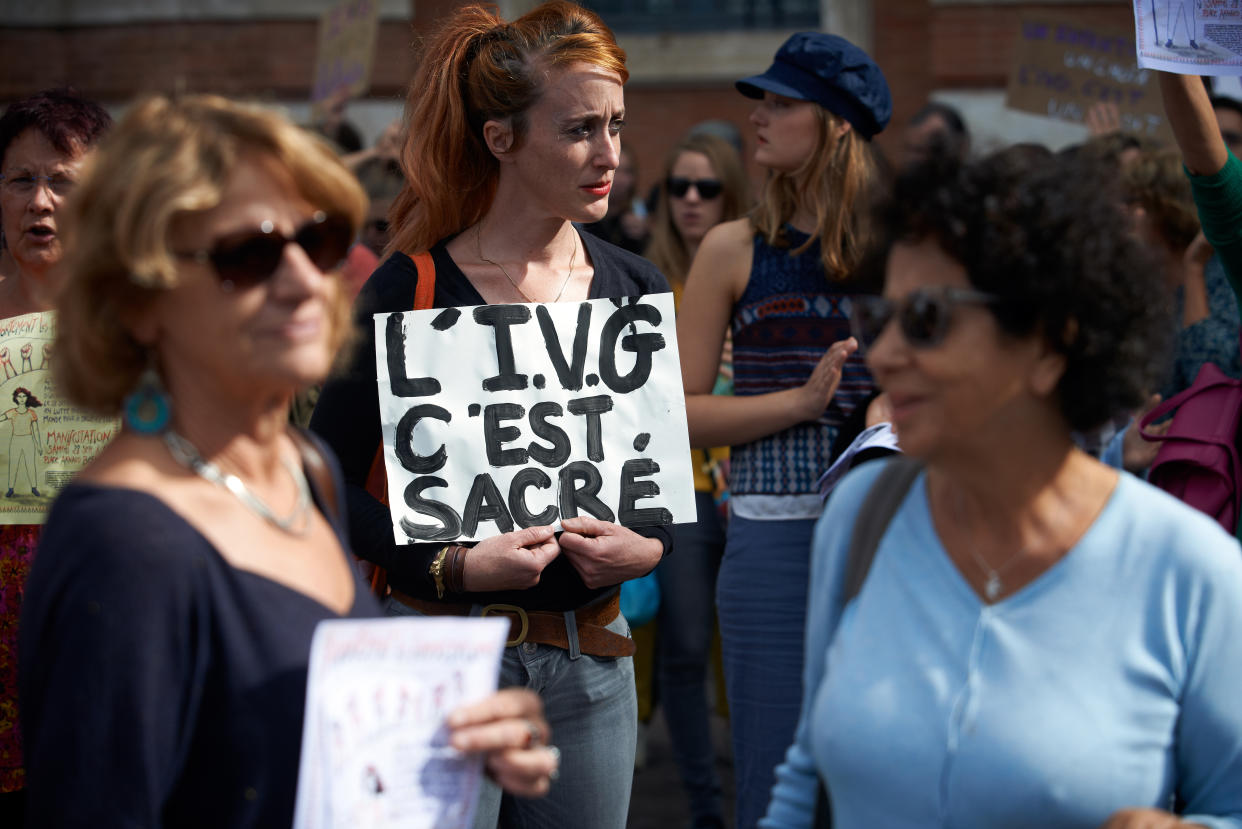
832,72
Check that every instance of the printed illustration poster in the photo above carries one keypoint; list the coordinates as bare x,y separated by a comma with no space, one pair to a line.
1191,37
375,750
499,417
43,441
1061,70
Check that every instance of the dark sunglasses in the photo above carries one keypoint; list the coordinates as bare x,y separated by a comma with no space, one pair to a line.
248,257
924,316
709,188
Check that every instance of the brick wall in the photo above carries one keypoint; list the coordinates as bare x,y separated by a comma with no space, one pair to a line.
921,46
252,59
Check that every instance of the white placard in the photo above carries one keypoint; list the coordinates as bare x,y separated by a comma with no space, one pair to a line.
375,749
498,417
1190,37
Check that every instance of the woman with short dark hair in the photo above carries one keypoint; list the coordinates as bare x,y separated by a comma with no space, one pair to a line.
44,140
1040,639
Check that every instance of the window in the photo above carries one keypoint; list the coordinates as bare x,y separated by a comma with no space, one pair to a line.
706,15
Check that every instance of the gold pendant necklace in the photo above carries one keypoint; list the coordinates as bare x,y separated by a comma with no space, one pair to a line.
573,259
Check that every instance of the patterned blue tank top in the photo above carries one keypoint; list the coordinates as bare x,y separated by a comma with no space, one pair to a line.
787,317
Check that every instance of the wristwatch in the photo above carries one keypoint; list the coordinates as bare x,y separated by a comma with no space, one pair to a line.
437,569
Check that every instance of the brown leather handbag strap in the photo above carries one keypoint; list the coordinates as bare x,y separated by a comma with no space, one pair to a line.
377,478
424,298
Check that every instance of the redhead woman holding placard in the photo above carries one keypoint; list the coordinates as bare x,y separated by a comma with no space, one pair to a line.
514,135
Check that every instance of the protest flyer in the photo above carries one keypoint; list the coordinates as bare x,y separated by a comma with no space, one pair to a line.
500,417
375,749
1191,37
44,441
1060,70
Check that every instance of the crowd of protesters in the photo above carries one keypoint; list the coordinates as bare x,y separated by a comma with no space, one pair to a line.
1001,624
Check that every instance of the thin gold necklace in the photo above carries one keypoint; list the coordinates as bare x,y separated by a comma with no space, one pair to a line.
573,259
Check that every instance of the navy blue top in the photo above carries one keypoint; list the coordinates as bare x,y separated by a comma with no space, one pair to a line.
347,417
789,314
160,685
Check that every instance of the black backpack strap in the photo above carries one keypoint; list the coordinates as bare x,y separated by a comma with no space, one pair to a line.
877,510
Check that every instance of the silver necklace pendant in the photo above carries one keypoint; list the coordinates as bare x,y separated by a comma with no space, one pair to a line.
296,523
992,587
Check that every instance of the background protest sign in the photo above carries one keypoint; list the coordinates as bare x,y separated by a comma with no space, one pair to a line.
1191,37
347,34
498,417
44,443
1060,70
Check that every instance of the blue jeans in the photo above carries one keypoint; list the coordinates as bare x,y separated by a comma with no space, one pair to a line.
592,709
687,621
761,596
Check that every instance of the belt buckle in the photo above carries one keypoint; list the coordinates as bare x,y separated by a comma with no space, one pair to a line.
510,608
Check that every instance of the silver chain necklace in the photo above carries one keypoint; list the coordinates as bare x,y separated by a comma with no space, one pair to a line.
993,586
573,259
186,454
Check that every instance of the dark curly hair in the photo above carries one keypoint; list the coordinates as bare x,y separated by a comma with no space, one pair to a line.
68,121
32,402
1051,240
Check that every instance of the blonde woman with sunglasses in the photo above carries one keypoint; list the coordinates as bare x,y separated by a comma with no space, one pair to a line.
704,184
168,619
780,281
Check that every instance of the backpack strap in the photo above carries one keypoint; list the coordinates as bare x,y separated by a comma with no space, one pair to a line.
424,298
877,510
377,478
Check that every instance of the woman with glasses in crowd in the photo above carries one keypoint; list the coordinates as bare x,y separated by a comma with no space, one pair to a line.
1039,639
44,140
168,618
780,281
516,138
704,184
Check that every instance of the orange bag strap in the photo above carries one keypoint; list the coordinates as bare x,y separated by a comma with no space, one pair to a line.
377,479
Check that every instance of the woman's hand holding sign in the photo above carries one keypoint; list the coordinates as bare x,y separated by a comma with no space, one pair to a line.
512,561
605,553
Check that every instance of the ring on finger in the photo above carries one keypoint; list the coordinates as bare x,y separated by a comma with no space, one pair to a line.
556,758
534,735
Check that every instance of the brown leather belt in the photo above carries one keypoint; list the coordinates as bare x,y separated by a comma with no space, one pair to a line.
544,627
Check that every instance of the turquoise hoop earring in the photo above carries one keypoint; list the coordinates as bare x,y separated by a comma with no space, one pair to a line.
147,408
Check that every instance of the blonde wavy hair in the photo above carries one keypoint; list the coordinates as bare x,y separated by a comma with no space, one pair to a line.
667,250
837,184
165,159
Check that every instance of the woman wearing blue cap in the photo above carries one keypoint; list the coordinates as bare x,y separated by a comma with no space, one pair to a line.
781,279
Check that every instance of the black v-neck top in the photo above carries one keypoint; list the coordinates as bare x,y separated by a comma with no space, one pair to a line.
347,417
160,685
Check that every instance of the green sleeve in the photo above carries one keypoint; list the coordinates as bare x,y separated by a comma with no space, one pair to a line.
1219,199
